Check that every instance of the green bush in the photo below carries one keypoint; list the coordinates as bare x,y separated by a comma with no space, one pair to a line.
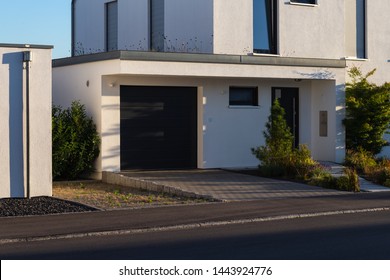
302,162
360,159
348,182
351,182
367,114
75,142
380,173
279,158
279,140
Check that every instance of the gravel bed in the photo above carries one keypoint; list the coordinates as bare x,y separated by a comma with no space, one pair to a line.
10,207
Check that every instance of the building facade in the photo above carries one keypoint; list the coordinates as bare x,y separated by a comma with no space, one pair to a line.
189,84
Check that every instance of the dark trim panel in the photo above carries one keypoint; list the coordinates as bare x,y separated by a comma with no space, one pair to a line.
25,46
73,35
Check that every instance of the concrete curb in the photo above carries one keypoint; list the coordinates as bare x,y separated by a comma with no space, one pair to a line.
188,226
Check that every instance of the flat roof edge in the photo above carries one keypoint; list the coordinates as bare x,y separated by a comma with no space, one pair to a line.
202,58
25,46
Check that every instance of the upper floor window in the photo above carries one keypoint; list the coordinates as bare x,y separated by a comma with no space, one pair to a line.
313,2
157,25
265,26
112,26
361,28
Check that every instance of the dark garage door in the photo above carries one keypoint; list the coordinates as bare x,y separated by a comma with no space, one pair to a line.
158,127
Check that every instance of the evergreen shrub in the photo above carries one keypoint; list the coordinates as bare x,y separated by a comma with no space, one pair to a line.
75,142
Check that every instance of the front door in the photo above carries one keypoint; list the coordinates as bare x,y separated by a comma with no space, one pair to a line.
289,100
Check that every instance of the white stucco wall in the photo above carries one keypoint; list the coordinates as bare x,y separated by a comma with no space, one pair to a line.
13,143
133,30
84,83
312,31
233,26
89,26
377,48
218,26
189,26
225,134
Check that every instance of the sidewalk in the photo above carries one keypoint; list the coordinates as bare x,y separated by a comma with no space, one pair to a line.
365,186
217,184
35,228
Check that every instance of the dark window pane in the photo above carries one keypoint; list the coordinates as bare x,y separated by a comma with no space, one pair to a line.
264,26
157,25
112,26
361,28
304,1
243,96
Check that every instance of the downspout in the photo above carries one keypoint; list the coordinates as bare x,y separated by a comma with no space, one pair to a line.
27,58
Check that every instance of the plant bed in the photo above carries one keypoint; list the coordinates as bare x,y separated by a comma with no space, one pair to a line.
11,207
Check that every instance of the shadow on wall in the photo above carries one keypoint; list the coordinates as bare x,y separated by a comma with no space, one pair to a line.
15,62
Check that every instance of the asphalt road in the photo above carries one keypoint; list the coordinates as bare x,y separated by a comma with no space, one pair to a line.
342,236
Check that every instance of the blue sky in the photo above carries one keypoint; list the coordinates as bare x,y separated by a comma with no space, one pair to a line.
44,22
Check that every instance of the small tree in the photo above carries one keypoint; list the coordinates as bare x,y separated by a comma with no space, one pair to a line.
279,140
75,142
368,112
279,157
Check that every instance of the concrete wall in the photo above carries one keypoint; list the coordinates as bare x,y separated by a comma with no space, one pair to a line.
89,29
189,26
233,26
377,48
133,30
312,31
225,134
217,26
84,82
13,143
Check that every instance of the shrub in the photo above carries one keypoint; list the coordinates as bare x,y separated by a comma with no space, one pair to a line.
278,157
75,142
380,173
279,140
352,181
348,182
302,162
361,160
367,114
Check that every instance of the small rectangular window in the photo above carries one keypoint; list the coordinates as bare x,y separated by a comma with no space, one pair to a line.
313,2
243,96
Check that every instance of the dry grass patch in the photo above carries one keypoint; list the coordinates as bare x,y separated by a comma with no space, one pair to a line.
107,196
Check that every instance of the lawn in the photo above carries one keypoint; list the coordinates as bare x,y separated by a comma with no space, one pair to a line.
107,196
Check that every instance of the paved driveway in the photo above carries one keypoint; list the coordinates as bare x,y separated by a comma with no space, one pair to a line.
229,186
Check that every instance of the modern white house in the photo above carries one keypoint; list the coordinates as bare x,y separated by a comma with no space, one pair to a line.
25,120
189,84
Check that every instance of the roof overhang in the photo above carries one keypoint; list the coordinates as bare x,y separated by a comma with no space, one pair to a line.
202,58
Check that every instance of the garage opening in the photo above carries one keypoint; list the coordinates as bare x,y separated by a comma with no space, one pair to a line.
158,127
